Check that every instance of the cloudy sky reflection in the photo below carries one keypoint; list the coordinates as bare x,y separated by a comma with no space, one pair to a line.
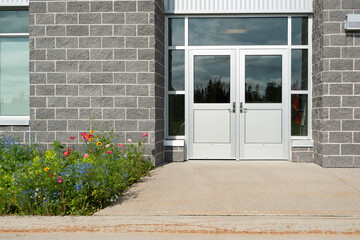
238,31
14,21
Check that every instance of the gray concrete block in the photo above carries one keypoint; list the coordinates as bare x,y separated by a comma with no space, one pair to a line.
56,7
125,6
137,66
331,101
350,125
113,18
126,125
114,113
146,6
37,54
45,66
340,161
102,54
90,66
45,113
55,30
45,137
125,54
78,78
125,102
125,78
37,78
331,125
92,113
340,40
67,42
146,30
37,7
45,19
351,101
36,31
350,4
78,54
331,52
90,90
146,54
66,18
146,102
351,77
101,30
56,54
340,137
67,90
77,30
357,113
125,30
136,18
341,113
146,125
38,125
56,78
56,102
137,113
331,28
37,102
350,149
101,6
137,90
78,125
136,42
89,42
57,125
78,101
102,102
90,18
45,42
102,78
113,90
67,66
113,42
113,66
44,90
146,78
78,6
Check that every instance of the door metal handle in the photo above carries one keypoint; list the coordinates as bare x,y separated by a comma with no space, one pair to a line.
241,108
233,109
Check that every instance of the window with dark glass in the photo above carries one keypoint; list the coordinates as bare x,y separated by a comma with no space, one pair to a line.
299,115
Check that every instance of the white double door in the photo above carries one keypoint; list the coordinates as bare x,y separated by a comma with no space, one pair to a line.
238,104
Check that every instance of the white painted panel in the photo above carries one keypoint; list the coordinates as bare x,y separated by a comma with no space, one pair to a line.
263,126
212,151
264,151
238,6
212,126
14,2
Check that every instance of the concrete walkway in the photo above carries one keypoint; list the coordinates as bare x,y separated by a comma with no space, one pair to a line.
217,200
202,188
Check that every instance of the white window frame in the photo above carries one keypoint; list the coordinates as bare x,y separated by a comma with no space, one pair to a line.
298,141
14,120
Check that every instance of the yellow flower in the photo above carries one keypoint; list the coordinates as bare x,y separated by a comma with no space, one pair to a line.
99,143
54,173
46,169
92,131
90,139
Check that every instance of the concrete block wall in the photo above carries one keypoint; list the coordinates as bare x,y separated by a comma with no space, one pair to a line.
336,85
98,60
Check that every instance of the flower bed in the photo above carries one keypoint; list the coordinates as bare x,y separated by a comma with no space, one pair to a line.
63,181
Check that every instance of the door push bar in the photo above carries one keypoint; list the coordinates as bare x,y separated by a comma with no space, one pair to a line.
233,109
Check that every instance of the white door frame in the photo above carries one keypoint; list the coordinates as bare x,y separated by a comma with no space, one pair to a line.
239,52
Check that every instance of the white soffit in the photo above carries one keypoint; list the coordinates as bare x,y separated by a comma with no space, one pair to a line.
237,6
9,3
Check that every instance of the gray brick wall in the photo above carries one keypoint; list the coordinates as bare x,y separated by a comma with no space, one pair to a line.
98,60
336,78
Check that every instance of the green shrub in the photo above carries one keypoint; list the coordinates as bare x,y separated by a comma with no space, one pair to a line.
64,181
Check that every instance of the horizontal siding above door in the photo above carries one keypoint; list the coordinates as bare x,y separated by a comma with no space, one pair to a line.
8,3
237,6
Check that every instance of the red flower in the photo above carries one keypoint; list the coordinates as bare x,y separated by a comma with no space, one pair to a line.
144,135
66,153
109,152
60,179
69,149
72,138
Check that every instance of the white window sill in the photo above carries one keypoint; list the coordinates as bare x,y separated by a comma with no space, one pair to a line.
14,120
302,143
174,143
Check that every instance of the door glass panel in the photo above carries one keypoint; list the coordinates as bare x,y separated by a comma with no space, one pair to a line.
263,79
14,21
299,69
212,79
176,32
238,31
176,115
299,32
176,70
299,115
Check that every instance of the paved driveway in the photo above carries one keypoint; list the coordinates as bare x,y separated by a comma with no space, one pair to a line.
222,188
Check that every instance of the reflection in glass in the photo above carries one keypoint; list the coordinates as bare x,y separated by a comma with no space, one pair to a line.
176,115
176,32
263,79
14,76
238,31
14,21
212,79
176,70
299,69
299,115
299,32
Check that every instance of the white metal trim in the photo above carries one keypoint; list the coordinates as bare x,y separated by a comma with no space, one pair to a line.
237,6
302,143
174,143
10,3
14,120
